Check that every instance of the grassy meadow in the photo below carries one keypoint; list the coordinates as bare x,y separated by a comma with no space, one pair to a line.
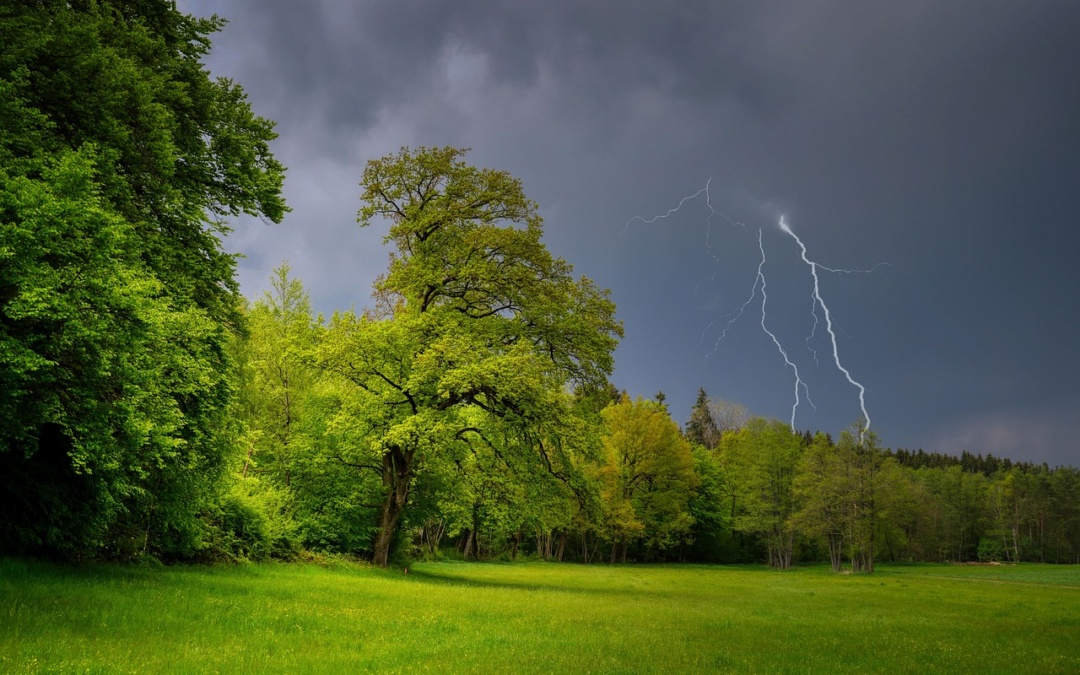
537,617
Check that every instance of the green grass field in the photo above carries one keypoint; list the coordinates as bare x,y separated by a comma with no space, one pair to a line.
536,617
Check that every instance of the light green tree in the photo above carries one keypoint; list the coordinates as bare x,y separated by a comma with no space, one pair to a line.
476,317
871,486
762,458
820,490
853,496
281,346
647,478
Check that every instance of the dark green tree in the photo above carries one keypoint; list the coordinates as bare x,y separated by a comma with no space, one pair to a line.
119,155
701,427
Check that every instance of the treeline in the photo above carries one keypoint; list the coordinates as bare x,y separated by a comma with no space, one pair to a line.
730,488
147,411
968,461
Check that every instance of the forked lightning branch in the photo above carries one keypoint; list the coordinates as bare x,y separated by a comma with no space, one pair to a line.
758,289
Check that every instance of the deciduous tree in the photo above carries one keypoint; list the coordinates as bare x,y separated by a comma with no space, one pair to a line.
762,458
118,155
648,476
480,319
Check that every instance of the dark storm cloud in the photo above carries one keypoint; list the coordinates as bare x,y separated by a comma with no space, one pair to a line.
346,61
940,137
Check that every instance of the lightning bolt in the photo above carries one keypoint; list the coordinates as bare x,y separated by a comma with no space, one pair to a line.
761,282
818,300
678,207
813,298
673,211
779,347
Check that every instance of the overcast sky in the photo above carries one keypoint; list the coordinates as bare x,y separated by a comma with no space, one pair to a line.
941,138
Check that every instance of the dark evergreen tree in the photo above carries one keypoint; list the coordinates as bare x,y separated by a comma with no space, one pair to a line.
701,427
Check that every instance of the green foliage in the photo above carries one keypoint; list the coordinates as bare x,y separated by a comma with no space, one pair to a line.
100,375
116,300
763,456
710,506
477,330
174,143
253,522
701,428
279,355
647,477
146,411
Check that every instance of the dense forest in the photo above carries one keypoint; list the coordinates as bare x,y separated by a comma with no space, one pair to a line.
149,411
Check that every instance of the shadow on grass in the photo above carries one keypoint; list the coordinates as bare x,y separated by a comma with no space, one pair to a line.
450,579
29,573
611,584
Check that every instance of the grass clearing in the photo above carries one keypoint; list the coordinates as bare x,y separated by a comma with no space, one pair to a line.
537,617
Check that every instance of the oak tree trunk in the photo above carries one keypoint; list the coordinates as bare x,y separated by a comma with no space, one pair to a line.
397,476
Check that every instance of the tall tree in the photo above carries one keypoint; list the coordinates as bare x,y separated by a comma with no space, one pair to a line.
763,456
648,477
869,487
118,156
280,352
701,427
820,487
478,318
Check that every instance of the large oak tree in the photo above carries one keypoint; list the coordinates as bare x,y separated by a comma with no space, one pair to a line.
478,332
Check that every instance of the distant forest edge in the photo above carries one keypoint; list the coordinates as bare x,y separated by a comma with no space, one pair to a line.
148,411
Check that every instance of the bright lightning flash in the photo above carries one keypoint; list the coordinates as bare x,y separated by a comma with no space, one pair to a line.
828,322
779,347
761,282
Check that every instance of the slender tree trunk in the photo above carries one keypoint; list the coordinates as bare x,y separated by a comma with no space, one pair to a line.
247,460
437,539
562,547
614,550
1042,537
475,532
870,549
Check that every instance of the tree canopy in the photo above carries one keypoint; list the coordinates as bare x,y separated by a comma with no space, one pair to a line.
118,155
481,329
